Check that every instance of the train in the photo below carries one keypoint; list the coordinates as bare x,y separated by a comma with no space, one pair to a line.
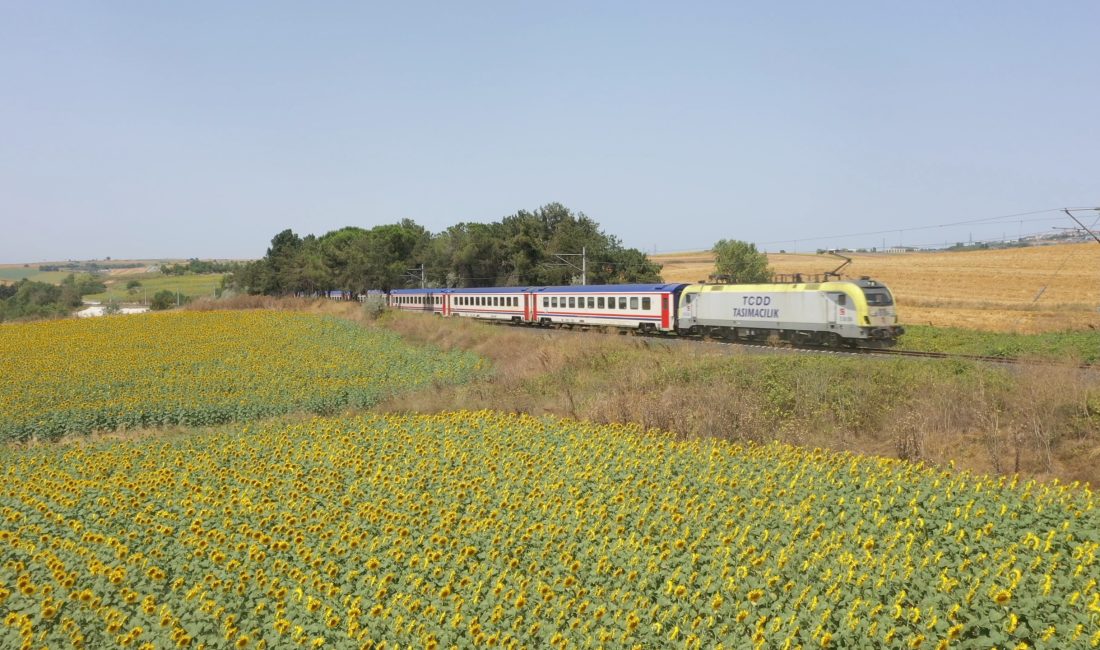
835,313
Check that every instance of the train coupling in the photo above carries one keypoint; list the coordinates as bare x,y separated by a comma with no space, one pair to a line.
886,333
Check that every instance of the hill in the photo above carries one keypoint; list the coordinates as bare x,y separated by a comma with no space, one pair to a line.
1036,289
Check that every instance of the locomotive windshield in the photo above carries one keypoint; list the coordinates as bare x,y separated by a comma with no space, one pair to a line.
878,297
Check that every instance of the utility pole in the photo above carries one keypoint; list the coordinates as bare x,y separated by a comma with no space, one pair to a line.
1083,226
583,268
584,265
417,273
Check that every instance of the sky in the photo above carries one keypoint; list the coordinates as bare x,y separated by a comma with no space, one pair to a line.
201,129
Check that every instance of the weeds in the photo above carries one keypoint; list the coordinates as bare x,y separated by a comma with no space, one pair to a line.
1036,420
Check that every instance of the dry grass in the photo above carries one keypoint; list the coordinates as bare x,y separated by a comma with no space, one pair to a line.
1038,421
992,290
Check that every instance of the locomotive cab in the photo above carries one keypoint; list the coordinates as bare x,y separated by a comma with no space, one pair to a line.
879,317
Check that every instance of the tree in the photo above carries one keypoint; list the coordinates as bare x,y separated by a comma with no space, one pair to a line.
740,262
163,299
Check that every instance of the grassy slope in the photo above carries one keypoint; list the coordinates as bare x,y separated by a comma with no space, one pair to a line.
188,285
1083,345
1041,421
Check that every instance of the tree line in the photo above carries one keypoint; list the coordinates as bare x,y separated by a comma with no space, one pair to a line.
31,299
195,265
539,247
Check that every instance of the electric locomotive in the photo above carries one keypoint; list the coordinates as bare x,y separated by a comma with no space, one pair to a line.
842,312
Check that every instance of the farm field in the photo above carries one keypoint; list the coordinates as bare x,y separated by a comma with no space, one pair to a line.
992,290
189,285
491,529
201,368
16,272
9,274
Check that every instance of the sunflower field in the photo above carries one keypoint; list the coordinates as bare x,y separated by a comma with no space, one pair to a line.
481,529
201,368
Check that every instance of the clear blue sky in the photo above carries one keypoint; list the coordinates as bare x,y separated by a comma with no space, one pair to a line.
180,129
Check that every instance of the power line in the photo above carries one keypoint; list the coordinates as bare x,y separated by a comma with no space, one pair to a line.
1014,218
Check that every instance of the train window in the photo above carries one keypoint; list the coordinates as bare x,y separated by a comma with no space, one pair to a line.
842,299
599,303
554,302
591,302
878,298
647,303
572,302
545,302
633,302
611,302
515,301
622,302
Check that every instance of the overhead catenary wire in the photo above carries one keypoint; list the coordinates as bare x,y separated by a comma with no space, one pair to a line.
1055,214
1065,259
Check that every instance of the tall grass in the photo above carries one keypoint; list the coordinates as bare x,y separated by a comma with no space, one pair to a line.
1037,420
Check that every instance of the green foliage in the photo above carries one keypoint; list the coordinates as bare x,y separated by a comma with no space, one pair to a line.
520,249
195,265
133,284
1083,346
31,299
739,262
164,299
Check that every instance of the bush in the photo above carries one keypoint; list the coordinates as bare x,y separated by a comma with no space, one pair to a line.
163,299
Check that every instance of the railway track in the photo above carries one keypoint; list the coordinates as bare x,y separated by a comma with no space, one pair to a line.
813,349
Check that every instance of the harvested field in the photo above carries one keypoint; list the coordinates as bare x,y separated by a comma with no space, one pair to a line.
995,290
